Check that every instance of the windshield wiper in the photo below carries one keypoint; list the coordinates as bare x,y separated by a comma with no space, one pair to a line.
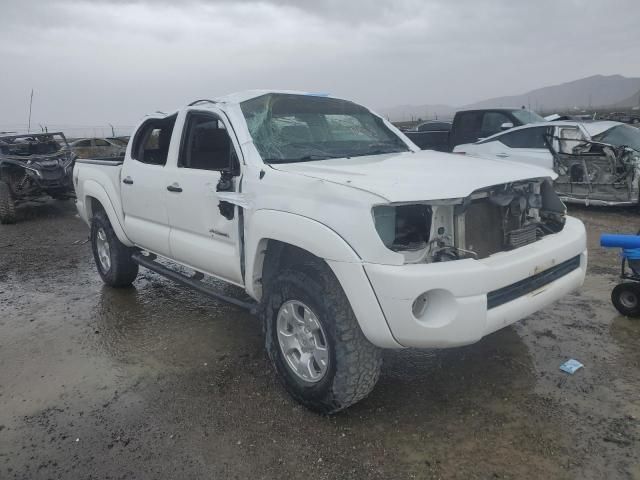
380,149
305,158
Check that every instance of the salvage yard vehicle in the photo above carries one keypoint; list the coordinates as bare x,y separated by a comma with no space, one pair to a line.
598,163
469,126
98,147
345,236
430,135
633,118
33,166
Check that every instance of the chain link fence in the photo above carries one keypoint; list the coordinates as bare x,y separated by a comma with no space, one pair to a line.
71,131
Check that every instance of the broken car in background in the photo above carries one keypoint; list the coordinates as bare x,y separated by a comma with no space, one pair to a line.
98,147
33,166
597,163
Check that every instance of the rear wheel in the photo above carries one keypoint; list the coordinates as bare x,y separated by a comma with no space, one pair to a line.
7,204
314,341
112,257
626,298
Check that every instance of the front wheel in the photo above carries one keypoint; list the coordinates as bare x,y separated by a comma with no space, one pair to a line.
314,341
626,298
7,204
112,257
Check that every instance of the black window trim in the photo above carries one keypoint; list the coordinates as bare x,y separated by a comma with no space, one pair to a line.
142,135
233,169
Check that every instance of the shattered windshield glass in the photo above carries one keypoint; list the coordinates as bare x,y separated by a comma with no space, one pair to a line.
621,136
290,128
527,116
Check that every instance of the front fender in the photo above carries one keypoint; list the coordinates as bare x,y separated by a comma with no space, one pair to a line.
323,242
93,189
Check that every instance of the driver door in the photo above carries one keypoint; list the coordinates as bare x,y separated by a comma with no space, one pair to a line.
201,237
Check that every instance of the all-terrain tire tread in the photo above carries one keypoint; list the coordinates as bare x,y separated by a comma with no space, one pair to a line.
7,204
123,269
358,362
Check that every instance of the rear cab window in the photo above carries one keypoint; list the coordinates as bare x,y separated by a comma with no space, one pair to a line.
151,142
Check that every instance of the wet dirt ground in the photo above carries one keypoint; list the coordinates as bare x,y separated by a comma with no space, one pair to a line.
157,382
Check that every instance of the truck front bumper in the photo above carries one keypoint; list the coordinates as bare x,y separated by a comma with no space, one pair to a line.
459,302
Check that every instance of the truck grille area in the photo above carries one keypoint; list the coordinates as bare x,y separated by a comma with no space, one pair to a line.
522,236
523,287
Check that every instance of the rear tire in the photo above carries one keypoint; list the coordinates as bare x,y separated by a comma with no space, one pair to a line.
352,363
112,257
7,204
626,298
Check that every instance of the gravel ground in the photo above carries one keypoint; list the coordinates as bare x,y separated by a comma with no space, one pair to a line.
157,382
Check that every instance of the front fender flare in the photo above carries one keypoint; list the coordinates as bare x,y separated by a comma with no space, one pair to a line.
323,242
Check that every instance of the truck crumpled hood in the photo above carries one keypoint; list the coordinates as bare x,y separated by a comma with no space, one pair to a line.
423,175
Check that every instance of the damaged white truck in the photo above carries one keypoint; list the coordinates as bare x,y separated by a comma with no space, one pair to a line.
346,238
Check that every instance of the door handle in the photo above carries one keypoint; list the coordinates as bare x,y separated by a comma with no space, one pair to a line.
127,180
174,187
502,155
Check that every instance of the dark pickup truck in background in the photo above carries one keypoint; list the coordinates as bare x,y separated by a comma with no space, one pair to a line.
468,126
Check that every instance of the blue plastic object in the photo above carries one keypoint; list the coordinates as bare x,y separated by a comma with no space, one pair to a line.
627,242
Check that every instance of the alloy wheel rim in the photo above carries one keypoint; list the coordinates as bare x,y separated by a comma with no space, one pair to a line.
302,341
104,251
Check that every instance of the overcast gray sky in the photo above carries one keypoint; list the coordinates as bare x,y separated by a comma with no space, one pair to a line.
114,60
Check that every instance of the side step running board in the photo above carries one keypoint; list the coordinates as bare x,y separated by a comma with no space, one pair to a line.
192,282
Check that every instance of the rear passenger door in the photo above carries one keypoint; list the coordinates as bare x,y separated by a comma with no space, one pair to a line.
201,236
143,186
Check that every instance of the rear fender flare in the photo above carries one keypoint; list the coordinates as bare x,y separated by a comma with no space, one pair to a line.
93,190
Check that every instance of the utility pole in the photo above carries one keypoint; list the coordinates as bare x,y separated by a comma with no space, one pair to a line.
30,104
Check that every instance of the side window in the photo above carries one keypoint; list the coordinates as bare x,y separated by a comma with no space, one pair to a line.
151,143
492,121
101,143
526,138
206,144
83,143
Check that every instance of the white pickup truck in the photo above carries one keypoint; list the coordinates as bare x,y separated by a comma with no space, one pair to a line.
346,237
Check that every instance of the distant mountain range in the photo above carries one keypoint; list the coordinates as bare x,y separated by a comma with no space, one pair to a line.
598,91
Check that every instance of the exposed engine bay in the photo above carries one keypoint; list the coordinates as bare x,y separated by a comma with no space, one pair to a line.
34,165
488,221
598,174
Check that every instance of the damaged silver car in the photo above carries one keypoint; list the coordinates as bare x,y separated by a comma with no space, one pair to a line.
597,163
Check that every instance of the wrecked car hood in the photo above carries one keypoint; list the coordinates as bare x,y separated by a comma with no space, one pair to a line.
416,176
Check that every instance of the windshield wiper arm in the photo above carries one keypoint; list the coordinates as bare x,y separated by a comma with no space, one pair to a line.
305,158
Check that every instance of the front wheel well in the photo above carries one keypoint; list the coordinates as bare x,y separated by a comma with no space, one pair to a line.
278,256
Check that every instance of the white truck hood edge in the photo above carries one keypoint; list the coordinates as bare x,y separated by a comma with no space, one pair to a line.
419,176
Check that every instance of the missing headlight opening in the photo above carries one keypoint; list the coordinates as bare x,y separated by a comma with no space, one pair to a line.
497,219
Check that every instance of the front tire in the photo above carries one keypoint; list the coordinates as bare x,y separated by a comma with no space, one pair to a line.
626,298
112,257
7,204
314,341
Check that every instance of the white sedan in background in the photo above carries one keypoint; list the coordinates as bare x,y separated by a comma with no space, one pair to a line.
528,143
597,163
